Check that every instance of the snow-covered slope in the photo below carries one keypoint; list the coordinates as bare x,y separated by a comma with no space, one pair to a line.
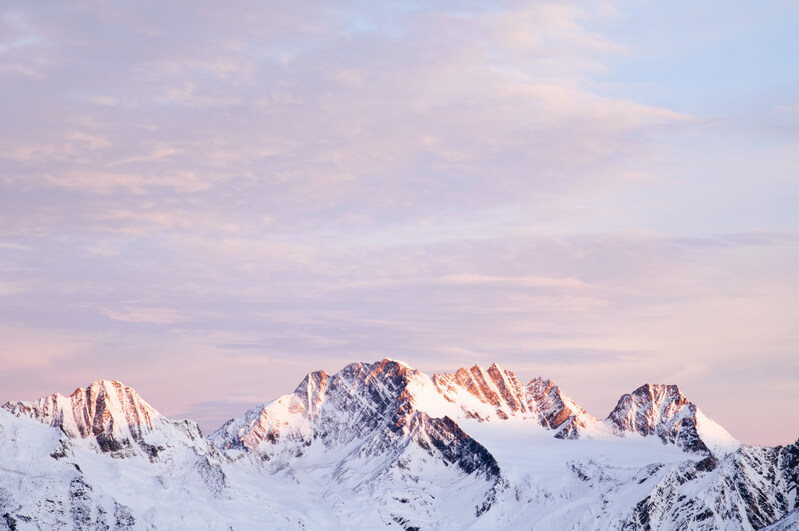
788,523
383,445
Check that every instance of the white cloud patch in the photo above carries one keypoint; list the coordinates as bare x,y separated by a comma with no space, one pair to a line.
130,314
527,281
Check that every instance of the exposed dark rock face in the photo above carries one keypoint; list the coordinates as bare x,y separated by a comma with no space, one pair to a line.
495,387
371,403
748,489
540,400
108,411
661,411
558,412
371,410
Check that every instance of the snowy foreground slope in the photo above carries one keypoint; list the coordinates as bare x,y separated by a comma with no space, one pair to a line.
383,445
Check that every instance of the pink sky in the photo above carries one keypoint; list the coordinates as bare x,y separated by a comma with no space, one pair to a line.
208,202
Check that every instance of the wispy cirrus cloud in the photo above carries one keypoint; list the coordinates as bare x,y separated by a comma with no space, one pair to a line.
527,281
234,195
475,105
130,314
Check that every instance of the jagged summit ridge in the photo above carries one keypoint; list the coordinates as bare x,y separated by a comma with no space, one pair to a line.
365,428
494,394
115,417
369,406
645,410
559,412
104,408
484,394
664,412
497,394
108,410
382,444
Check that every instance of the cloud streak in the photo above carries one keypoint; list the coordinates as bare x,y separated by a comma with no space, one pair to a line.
194,195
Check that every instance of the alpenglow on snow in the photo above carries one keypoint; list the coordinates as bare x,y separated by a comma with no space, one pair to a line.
384,445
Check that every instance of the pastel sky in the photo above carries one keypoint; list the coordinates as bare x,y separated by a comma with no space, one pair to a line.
208,200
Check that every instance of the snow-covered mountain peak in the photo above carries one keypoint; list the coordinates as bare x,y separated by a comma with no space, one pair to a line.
106,408
113,416
368,389
368,411
649,406
663,411
659,394
383,371
381,444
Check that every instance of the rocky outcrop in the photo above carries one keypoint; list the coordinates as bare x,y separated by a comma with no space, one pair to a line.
111,413
663,411
748,489
115,417
371,407
558,412
497,394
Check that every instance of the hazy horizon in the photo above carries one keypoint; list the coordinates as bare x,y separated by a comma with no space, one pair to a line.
207,202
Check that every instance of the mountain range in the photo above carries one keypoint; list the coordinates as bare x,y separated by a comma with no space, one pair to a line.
384,445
